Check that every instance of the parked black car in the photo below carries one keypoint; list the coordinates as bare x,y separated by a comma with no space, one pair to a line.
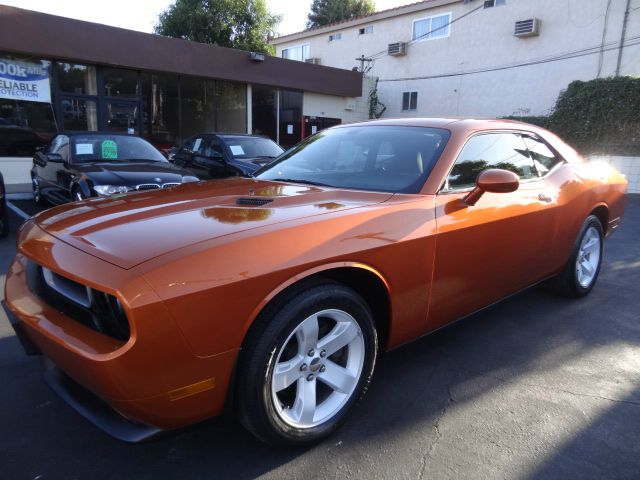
219,155
4,214
86,164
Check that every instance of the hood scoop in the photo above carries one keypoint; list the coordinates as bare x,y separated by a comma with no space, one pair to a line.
253,201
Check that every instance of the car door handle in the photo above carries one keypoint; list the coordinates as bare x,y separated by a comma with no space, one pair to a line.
544,198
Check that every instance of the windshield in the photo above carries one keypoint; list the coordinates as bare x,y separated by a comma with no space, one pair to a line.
112,148
379,158
252,147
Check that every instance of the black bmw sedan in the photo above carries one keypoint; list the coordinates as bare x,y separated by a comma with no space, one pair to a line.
87,164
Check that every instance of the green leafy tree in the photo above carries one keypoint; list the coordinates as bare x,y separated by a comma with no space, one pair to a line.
324,12
243,24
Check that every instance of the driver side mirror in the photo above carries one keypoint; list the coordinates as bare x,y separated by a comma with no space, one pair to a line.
54,158
493,180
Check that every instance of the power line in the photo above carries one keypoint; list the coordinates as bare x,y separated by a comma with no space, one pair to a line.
566,56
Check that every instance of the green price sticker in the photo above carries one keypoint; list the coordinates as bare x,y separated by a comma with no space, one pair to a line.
109,150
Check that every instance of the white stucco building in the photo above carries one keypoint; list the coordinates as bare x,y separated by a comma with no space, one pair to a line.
462,57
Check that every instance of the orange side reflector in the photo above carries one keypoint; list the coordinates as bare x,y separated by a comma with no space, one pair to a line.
189,390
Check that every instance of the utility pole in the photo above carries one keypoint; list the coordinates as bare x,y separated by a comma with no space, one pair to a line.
363,59
624,31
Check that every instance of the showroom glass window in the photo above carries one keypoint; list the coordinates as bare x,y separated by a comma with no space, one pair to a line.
24,125
76,96
231,107
491,150
161,108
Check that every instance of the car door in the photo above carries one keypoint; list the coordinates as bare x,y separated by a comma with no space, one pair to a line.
208,160
501,244
50,175
184,156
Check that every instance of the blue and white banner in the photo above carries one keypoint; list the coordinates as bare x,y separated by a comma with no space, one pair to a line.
24,81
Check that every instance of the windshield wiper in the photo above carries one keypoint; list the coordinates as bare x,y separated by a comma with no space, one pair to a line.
304,182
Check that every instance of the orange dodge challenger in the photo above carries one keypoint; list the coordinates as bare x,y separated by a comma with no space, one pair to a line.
274,295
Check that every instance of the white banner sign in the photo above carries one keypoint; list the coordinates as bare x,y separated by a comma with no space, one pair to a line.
24,81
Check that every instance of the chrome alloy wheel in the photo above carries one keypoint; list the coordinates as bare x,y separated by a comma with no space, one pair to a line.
317,368
588,258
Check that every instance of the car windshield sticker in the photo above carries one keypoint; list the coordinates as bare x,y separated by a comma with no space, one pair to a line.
84,148
236,150
109,149
196,144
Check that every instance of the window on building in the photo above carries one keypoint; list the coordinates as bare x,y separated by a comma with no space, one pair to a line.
366,30
231,107
78,79
410,101
299,52
161,108
121,83
437,26
494,3
335,36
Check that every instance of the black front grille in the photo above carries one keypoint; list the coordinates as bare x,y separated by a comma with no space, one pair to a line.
96,310
148,186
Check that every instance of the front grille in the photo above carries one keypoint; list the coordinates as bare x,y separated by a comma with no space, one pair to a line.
169,185
147,186
92,308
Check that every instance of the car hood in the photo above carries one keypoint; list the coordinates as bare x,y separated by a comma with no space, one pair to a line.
131,174
128,230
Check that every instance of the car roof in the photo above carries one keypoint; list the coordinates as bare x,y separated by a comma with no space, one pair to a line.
228,134
76,133
457,124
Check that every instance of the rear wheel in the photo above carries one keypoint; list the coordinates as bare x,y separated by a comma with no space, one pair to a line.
305,366
581,272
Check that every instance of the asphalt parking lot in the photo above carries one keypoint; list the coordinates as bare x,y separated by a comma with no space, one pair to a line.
536,387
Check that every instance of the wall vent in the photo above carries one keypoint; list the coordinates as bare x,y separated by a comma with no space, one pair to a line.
315,61
527,28
397,49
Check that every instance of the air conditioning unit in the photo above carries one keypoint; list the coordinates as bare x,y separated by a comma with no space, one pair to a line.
315,61
527,28
397,49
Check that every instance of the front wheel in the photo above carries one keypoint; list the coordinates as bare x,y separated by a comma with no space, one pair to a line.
305,365
581,272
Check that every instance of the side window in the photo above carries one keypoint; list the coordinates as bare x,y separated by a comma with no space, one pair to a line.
491,150
543,158
214,148
60,145
57,143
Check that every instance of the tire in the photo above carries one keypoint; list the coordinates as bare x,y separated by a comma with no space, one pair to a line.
4,223
295,342
37,194
581,271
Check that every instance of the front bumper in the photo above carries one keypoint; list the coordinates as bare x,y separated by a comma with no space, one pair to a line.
154,379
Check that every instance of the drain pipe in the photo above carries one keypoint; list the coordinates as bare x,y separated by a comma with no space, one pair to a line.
624,31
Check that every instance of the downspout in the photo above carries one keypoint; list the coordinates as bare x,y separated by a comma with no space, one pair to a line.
624,31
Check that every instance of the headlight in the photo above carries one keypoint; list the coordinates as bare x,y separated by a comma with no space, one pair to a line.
189,178
110,189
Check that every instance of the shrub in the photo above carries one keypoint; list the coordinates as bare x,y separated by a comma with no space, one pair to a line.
599,116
